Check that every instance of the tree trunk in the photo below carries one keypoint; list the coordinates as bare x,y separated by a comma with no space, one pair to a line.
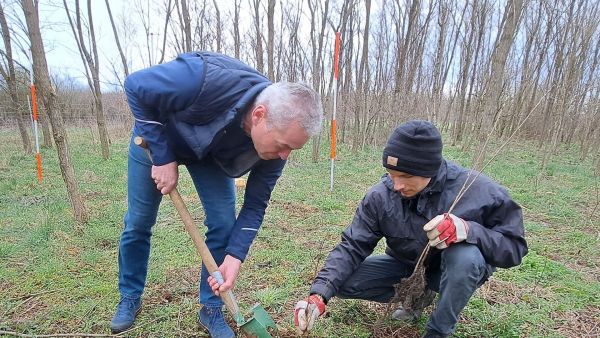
10,77
362,111
219,28
258,41
236,28
48,95
165,30
496,77
187,27
44,120
316,40
114,29
270,38
91,63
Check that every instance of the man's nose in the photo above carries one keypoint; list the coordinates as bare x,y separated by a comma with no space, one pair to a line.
398,185
284,154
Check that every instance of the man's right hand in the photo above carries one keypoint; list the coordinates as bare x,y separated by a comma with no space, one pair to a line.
307,311
165,177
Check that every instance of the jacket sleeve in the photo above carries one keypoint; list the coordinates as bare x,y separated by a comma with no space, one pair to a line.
261,182
359,240
501,238
154,93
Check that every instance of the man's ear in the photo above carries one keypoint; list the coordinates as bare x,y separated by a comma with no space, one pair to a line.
258,113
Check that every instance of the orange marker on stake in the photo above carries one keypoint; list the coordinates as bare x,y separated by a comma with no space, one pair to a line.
336,59
34,112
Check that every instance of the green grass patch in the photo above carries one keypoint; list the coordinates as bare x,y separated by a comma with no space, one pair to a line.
57,278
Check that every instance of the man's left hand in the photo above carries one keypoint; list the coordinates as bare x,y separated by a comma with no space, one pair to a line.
450,229
230,270
307,311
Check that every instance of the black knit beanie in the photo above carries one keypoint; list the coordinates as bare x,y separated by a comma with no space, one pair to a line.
415,147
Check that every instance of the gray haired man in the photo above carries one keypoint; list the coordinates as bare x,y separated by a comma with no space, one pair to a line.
221,119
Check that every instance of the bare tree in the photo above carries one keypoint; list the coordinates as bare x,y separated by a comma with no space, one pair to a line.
405,39
270,37
187,27
165,28
89,56
317,35
236,28
496,76
116,35
219,26
42,80
361,110
10,76
258,41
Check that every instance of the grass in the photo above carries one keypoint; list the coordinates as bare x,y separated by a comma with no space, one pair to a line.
57,278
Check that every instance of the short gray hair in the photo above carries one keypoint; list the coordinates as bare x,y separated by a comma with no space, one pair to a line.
288,102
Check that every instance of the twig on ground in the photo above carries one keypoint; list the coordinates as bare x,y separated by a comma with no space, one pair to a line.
17,334
26,298
141,325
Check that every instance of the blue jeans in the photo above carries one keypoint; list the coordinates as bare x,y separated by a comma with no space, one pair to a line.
462,271
217,194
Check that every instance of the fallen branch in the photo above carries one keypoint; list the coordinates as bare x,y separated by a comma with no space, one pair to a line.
17,334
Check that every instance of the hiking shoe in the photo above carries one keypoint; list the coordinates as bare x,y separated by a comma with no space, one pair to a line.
406,316
125,315
211,318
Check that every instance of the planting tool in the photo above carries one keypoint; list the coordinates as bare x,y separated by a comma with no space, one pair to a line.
259,323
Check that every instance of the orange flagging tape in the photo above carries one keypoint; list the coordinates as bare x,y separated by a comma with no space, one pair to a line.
333,129
34,103
38,159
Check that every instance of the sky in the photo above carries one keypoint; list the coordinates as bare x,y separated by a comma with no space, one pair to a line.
61,49
62,55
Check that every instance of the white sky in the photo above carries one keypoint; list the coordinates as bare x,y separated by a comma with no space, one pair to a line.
61,49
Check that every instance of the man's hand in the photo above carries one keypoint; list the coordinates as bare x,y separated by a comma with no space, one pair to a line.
446,230
165,177
229,270
307,311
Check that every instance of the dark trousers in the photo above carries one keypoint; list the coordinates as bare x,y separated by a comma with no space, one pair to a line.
462,270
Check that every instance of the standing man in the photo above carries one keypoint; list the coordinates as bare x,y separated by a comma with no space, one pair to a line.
484,231
221,119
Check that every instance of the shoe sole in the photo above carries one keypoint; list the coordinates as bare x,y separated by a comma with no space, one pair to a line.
130,326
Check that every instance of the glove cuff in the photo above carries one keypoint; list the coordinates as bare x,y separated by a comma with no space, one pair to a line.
318,301
462,227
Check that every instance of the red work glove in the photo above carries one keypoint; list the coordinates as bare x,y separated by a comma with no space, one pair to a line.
446,229
307,311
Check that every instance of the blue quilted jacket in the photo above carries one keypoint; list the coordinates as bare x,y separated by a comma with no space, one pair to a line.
190,109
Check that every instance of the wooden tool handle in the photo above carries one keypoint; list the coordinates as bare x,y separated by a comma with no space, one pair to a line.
202,249
194,233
